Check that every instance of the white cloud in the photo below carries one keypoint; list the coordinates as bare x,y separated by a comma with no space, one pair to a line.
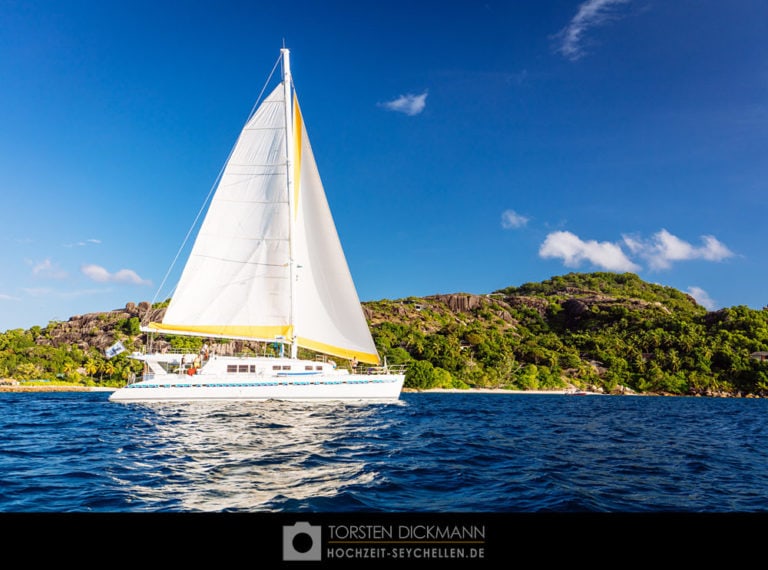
101,275
4,297
713,250
511,219
83,243
702,297
660,251
665,248
408,104
591,14
47,269
573,251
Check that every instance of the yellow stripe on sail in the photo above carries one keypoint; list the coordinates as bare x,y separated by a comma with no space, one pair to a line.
228,331
339,351
297,132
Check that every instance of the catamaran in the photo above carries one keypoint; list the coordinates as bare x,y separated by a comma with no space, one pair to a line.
267,265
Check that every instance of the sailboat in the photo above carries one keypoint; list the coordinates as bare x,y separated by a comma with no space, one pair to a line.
267,265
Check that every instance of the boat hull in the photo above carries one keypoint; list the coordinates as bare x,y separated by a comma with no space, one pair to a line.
349,387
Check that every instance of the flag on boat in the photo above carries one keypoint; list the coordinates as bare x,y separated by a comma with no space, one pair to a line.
115,349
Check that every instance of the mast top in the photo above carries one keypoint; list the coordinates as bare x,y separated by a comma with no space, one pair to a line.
286,53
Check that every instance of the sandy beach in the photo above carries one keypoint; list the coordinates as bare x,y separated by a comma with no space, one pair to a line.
485,391
56,389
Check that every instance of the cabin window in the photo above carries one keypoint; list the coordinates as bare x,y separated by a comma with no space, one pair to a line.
276,367
318,367
231,368
286,367
243,368
307,368
253,368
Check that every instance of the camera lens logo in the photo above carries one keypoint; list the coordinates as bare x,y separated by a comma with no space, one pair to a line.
301,541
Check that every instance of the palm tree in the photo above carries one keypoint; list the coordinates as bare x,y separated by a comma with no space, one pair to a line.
91,367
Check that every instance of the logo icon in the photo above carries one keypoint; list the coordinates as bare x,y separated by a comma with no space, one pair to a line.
301,541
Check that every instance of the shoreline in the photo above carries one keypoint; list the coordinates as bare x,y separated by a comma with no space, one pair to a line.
405,390
59,388
56,389
495,391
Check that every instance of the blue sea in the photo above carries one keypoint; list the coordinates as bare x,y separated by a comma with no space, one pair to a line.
430,452
467,478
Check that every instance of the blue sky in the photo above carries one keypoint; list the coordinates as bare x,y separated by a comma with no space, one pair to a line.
465,146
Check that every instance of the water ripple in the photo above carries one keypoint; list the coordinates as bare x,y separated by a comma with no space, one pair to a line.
429,453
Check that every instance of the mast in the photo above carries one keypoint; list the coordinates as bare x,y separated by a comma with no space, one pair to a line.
289,151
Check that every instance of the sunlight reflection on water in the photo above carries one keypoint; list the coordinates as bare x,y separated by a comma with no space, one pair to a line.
235,456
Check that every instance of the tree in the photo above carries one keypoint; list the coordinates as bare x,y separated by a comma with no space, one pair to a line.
420,375
529,377
28,371
91,367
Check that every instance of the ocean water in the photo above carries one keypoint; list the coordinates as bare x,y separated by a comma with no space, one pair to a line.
429,453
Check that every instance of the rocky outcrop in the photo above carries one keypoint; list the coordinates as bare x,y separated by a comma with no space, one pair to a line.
573,310
472,304
459,302
92,330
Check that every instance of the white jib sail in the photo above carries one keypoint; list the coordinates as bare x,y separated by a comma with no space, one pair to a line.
331,317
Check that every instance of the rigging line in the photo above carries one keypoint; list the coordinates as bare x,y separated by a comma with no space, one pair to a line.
264,88
213,186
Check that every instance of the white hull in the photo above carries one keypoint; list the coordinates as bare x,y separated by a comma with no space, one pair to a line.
257,378
324,389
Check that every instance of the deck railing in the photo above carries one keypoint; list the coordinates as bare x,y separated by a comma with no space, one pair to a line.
389,369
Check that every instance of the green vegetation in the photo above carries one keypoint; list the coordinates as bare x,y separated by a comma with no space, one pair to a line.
26,357
601,331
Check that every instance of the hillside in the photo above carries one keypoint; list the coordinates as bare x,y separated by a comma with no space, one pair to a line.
607,332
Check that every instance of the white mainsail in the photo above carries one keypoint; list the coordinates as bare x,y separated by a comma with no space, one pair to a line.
255,273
